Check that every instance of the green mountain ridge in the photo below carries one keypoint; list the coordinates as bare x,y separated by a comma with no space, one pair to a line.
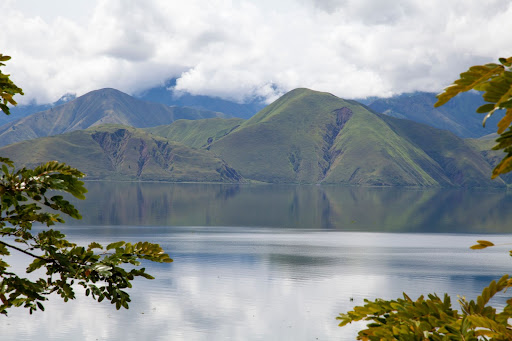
116,152
305,137
314,137
96,108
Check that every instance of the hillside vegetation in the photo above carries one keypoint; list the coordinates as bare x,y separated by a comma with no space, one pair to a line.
116,152
314,137
197,133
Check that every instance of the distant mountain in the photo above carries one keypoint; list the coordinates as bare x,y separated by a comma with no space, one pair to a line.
457,116
123,153
94,108
165,95
314,137
24,110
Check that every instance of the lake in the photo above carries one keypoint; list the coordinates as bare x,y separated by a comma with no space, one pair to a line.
268,262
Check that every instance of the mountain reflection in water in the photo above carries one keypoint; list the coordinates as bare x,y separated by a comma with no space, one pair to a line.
295,206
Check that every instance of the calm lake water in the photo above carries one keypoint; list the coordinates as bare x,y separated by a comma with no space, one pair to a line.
274,262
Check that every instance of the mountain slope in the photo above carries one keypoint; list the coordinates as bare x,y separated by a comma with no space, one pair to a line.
463,165
24,110
484,145
313,137
123,153
96,107
457,116
196,133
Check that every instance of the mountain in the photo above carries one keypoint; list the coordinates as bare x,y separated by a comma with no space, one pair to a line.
94,108
304,137
123,153
166,95
24,110
458,115
314,137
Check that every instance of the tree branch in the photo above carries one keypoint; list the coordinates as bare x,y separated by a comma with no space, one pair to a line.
26,252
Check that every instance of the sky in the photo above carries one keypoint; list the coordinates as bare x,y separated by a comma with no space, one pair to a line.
246,49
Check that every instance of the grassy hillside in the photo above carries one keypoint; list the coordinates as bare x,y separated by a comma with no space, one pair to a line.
314,137
197,133
370,152
95,108
484,145
123,153
286,141
461,163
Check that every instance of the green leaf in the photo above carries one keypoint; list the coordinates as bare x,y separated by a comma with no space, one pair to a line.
115,245
485,108
94,245
469,80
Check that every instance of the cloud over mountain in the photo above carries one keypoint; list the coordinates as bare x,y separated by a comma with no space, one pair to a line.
243,49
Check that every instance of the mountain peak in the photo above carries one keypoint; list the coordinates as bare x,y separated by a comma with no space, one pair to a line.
298,92
101,106
106,92
296,101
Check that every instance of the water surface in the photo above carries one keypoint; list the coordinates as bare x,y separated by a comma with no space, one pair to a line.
300,207
274,262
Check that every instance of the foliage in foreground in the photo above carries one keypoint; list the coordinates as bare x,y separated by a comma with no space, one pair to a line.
98,269
434,318
495,81
7,88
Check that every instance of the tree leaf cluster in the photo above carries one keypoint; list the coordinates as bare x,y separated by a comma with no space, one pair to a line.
495,82
434,318
29,196
7,88
98,269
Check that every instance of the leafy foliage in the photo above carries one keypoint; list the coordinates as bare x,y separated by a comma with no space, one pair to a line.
434,318
28,196
7,88
495,81
23,194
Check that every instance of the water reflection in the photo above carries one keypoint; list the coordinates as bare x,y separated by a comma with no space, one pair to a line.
254,284
305,207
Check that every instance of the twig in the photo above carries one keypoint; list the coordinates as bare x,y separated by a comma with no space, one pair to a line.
26,252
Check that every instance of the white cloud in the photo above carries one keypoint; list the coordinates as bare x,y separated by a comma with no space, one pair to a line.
242,49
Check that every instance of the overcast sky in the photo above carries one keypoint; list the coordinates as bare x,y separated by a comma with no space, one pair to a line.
240,49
